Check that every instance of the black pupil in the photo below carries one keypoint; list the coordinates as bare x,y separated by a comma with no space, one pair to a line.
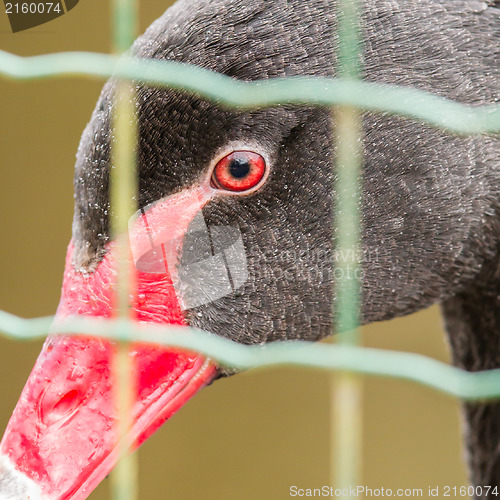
239,167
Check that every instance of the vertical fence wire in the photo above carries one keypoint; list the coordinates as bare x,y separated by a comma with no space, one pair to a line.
123,196
346,398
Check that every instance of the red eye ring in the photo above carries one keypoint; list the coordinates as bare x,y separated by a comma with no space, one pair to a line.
239,171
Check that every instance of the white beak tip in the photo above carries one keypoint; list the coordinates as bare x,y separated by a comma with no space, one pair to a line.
15,485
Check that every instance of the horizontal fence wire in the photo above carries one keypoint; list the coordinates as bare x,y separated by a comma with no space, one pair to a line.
368,361
369,96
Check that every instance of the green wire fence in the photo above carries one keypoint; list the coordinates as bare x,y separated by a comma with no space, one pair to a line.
348,96
226,91
363,360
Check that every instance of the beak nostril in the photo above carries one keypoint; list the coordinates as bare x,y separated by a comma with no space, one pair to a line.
67,402
64,407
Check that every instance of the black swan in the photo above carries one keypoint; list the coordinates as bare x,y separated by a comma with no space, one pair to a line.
258,184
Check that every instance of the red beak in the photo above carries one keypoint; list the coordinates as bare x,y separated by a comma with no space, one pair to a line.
61,440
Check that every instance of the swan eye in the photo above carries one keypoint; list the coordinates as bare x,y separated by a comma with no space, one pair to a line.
239,171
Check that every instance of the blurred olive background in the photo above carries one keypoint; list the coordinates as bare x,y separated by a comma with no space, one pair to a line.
247,437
